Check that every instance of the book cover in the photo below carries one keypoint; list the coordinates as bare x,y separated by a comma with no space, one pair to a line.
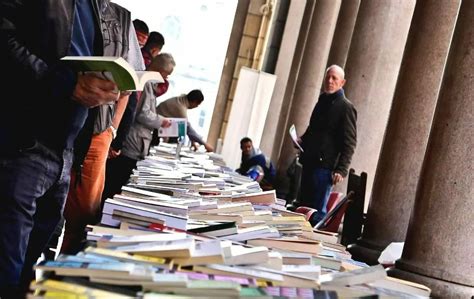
177,128
359,276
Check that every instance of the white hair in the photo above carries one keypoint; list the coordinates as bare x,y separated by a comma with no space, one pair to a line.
164,61
338,69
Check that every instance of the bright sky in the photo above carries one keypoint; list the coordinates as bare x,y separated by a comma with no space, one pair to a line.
196,34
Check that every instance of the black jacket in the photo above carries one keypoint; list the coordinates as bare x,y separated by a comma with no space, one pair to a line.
331,137
34,35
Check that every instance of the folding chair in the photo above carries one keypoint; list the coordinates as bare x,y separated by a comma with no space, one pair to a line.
336,206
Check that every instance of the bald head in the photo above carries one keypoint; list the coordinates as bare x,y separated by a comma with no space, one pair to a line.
339,70
334,79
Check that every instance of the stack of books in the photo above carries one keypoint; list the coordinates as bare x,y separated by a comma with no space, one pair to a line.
192,228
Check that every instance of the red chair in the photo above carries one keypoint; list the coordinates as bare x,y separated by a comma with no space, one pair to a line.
337,205
334,198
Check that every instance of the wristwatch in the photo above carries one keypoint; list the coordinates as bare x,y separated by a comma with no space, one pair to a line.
114,132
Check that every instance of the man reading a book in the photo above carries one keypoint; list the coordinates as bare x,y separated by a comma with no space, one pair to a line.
178,107
328,143
91,147
35,140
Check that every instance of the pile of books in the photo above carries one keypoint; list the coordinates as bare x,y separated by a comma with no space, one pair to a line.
189,228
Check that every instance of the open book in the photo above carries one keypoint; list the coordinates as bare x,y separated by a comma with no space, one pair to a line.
177,128
121,71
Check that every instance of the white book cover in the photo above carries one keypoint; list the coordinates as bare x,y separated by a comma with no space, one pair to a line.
171,220
294,137
177,128
359,276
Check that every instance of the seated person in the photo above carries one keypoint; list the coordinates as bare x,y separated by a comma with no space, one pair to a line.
178,107
255,165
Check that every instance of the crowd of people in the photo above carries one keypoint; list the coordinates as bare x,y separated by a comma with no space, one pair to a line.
55,165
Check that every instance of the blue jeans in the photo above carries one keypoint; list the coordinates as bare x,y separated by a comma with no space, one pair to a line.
33,186
316,186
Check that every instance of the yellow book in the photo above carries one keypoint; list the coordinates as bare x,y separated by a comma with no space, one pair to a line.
125,257
51,288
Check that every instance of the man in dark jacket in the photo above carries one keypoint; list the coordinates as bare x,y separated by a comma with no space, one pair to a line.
328,143
36,140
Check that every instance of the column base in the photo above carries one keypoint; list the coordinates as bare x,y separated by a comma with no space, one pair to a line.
439,288
365,252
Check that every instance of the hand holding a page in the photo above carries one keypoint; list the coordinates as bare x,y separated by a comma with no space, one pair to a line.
174,127
295,138
165,122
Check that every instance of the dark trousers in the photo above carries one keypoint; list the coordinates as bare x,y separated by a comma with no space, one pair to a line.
117,174
316,186
33,187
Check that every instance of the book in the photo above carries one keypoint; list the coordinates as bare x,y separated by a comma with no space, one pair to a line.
140,193
200,288
359,276
240,280
264,197
203,227
171,249
46,287
65,268
326,237
125,217
111,241
402,286
125,257
290,279
294,137
171,220
295,258
327,262
176,129
240,255
122,73
291,244
312,271
207,252
254,232
162,206
242,272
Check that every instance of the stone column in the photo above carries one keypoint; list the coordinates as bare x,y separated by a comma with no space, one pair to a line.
287,56
372,67
286,93
228,71
439,244
408,127
343,34
310,75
